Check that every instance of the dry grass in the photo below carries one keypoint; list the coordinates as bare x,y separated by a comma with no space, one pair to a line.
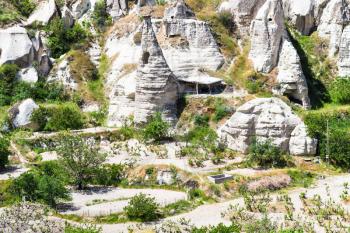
269,183
124,26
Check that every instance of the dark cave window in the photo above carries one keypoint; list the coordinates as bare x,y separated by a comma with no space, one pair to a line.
145,57
270,19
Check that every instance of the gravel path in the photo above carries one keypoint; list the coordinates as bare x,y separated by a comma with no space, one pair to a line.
211,214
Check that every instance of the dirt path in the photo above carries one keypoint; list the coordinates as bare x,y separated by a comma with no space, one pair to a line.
211,214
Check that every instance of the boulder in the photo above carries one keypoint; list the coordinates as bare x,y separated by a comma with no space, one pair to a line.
63,75
16,47
300,14
29,75
67,17
344,53
80,7
21,113
165,177
117,8
291,80
266,119
45,65
243,11
267,30
156,86
332,22
141,3
178,10
44,12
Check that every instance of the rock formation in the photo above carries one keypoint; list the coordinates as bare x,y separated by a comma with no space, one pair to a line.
156,86
21,113
300,14
62,75
344,53
29,75
291,80
267,30
117,8
267,119
44,12
80,7
67,17
178,10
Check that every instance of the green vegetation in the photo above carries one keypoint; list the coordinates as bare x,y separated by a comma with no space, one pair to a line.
44,184
142,208
221,110
4,151
221,228
109,174
100,16
8,13
339,91
83,229
25,7
59,117
61,39
265,154
156,129
301,178
80,158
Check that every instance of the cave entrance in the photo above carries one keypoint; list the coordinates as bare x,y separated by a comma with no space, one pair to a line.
145,57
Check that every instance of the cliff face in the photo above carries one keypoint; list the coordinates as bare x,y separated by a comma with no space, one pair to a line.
156,86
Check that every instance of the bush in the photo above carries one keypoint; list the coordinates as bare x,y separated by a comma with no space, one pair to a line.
142,207
201,120
202,136
221,228
25,7
84,229
109,174
156,129
100,15
61,39
60,117
4,152
340,91
265,154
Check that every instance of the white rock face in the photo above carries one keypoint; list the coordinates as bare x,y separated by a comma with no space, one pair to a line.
117,8
156,86
291,80
80,7
267,30
178,10
62,75
266,119
300,14
244,11
67,16
331,24
16,47
29,75
45,11
344,53
21,113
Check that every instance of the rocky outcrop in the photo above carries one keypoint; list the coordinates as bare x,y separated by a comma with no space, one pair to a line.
117,8
29,75
80,7
267,119
344,53
45,65
178,10
156,86
45,11
141,3
291,80
267,30
243,11
63,76
300,14
67,17
20,114
334,17
16,47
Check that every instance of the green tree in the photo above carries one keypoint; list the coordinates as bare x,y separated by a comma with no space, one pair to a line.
4,151
7,78
141,207
156,129
80,158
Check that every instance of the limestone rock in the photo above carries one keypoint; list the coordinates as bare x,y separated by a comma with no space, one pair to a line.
243,11
16,47
117,8
178,10
333,18
300,14
266,119
29,75
45,65
344,53
291,80
80,7
165,177
267,30
156,86
21,113
67,17
62,75
146,3
45,11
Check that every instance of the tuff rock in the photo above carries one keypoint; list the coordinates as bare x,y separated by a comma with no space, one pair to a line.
63,75
80,7
267,30
29,75
291,80
117,8
67,17
45,11
178,10
156,86
267,119
344,53
20,114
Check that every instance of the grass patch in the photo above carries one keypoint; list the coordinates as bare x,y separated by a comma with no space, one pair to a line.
301,178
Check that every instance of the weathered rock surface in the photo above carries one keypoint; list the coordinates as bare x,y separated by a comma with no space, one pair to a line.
67,17
63,75
291,80
267,119
300,14
44,12
117,8
45,65
244,11
29,75
267,30
146,3
80,7
16,47
178,10
156,86
344,53
21,113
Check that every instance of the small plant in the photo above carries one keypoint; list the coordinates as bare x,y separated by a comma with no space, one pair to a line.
142,208
339,90
201,120
156,129
4,151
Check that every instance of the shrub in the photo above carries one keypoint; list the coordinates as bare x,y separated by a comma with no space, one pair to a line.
4,151
221,228
25,7
109,174
301,178
201,120
265,154
202,136
142,207
7,78
221,110
100,15
339,91
82,229
156,129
